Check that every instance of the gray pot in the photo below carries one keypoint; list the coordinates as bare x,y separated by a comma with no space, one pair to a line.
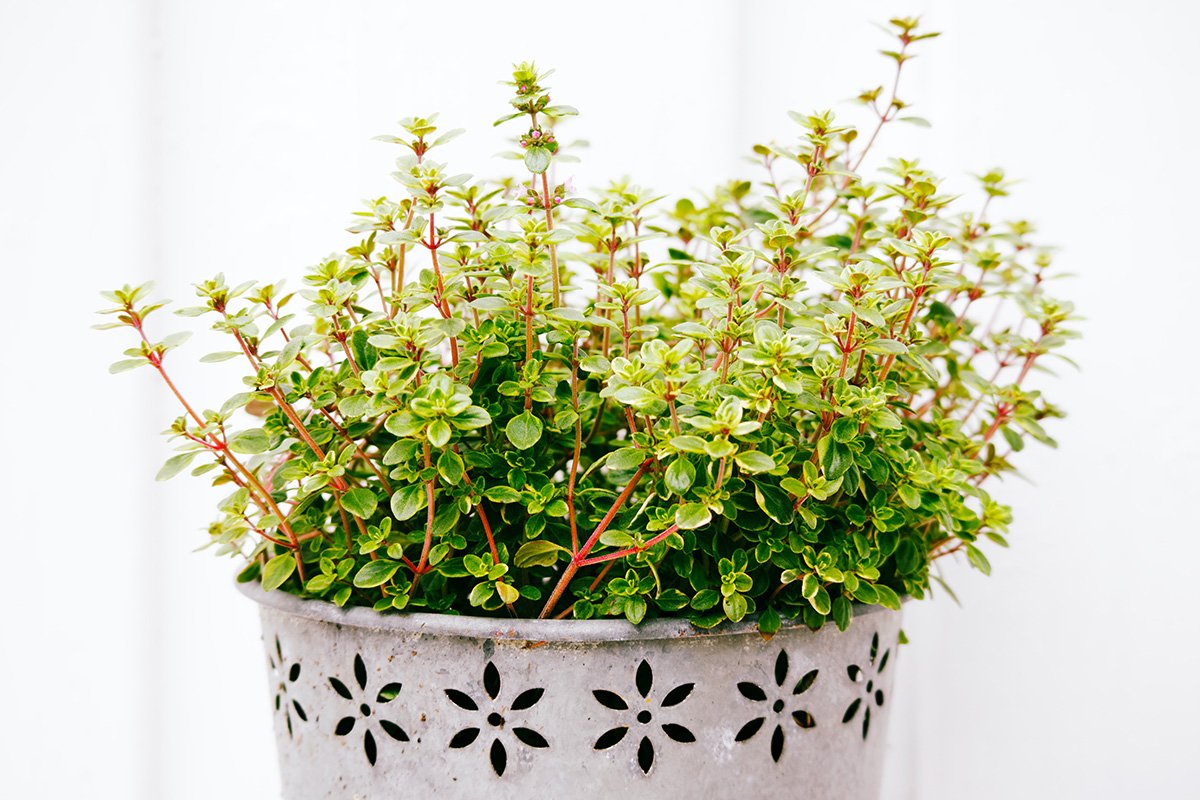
427,705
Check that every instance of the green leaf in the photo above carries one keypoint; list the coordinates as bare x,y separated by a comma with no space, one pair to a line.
889,347
214,358
719,448
909,495
617,538
835,459
820,600
439,433
174,465
595,364
777,504
360,502
538,553
735,607
508,594
537,159
886,597
250,442
671,600
450,467
843,611
364,353
692,515
524,430
978,559
626,458
126,364
278,570
908,557
768,621
319,584
754,461
376,573
502,494
705,599
635,609
408,500
680,475
844,429
481,593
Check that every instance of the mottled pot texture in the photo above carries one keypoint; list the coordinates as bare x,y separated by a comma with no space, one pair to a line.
378,707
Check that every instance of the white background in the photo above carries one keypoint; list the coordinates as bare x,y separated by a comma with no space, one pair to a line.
171,140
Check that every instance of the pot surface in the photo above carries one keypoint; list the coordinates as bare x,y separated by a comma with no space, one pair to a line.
378,707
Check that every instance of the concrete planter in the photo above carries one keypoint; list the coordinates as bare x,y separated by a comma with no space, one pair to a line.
377,707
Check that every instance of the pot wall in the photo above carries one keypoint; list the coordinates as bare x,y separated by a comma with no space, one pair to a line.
376,707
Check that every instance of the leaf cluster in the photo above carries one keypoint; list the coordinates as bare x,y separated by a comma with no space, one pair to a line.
505,397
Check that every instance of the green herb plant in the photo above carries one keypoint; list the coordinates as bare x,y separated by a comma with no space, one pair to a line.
508,398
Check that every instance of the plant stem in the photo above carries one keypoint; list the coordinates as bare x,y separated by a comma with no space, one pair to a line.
554,279
577,559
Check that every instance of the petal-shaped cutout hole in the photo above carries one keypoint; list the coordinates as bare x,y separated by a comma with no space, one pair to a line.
678,695
388,693
805,683
530,737
883,661
491,681
866,720
344,726
527,699
340,688
393,730
851,710
854,671
360,671
461,699
464,738
610,738
369,747
279,649
299,711
777,743
752,691
499,757
879,697
278,701
644,678
645,753
294,673
288,719
609,699
749,729
678,732
781,668
804,719
874,646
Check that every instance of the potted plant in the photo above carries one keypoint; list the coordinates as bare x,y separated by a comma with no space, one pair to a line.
539,491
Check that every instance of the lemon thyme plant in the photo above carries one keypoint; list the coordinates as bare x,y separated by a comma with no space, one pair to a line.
508,398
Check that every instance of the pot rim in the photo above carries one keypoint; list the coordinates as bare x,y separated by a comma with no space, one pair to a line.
588,631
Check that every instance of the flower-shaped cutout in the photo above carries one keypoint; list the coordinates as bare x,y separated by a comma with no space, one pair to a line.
495,720
873,694
366,713
285,675
643,717
780,705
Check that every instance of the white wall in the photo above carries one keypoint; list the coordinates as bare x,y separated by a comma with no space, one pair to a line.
171,140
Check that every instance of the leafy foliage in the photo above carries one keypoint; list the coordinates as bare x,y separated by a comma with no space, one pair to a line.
506,398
